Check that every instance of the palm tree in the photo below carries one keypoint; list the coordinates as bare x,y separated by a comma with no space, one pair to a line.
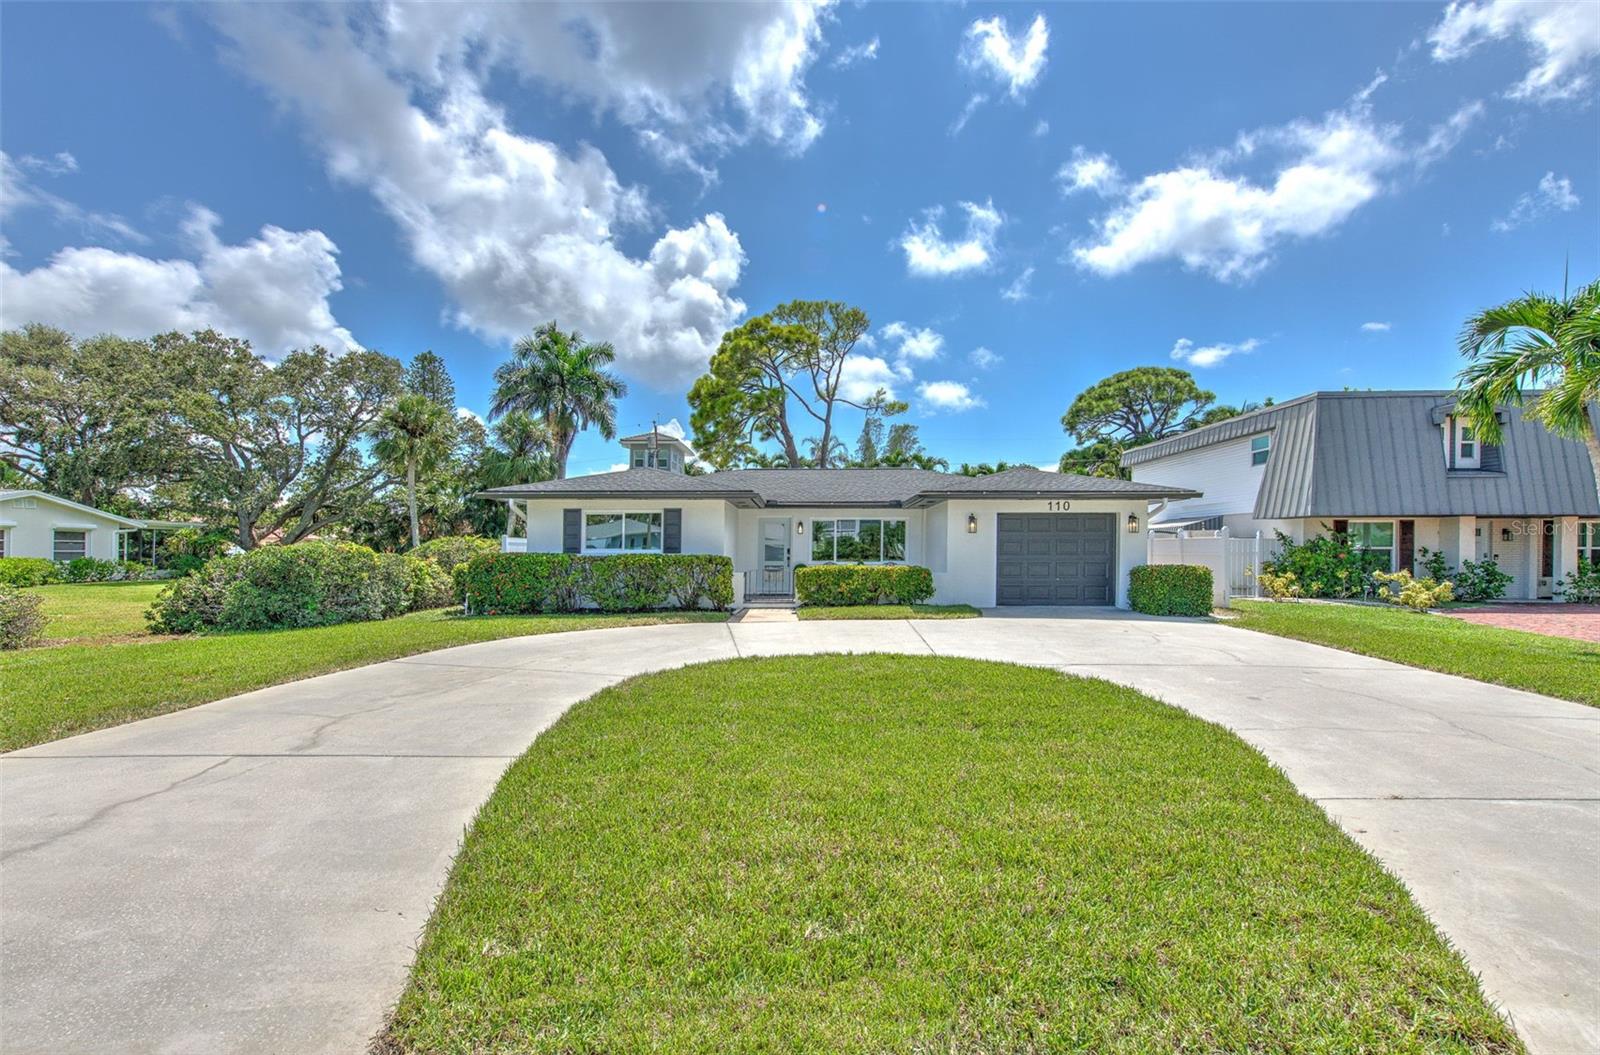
1536,344
415,432
521,453
562,379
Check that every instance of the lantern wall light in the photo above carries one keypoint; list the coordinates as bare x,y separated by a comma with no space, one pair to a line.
1133,523
972,523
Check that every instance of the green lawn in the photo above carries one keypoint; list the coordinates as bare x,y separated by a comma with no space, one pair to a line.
1555,666
96,610
73,688
892,611
912,854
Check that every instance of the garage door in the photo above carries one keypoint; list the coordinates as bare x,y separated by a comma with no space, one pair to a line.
1055,558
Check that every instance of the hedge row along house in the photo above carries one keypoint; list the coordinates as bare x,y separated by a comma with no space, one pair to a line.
1398,472
1020,537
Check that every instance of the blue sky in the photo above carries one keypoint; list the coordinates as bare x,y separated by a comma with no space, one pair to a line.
1283,197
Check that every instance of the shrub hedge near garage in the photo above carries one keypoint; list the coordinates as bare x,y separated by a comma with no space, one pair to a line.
1170,589
504,583
839,585
304,584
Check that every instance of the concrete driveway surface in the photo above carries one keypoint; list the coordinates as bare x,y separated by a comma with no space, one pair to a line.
252,875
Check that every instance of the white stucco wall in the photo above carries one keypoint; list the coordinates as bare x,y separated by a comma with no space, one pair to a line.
705,521
970,578
31,532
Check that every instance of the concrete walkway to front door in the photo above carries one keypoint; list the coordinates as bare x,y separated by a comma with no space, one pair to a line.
252,875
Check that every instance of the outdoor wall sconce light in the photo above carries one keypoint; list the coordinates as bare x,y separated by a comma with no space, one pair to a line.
799,527
972,523
1133,523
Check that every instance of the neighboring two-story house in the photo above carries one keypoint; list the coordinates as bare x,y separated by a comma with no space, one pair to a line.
1398,472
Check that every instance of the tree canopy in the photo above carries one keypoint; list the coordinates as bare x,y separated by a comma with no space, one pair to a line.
1128,409
564,380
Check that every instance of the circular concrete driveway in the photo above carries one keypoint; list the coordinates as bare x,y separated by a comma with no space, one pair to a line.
252,875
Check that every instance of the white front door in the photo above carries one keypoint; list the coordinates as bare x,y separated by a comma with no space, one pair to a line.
773,570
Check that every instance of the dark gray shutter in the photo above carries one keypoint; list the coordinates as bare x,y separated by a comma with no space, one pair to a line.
571,530
672,531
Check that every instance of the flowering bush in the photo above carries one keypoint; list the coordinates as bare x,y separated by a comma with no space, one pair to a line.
1399,587
1280,587
1326,566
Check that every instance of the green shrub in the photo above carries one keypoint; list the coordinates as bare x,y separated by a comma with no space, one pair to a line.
1480,580
92,569
1327,566
501,583
1279,587
305,584
1581,586
449,551
838,585
1170,589
27,571
187,549
1399,587
21,618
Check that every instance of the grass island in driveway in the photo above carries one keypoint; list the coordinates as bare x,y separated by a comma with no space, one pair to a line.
888,853
1566,668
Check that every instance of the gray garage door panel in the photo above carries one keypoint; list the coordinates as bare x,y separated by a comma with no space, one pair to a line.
1055,558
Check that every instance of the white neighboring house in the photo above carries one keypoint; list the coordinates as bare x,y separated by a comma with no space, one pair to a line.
36,524
1397,471
1021,537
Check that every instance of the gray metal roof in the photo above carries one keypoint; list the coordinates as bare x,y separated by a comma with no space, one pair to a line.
1381,454
838,487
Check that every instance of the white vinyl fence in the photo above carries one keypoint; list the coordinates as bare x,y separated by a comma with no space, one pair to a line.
1235,563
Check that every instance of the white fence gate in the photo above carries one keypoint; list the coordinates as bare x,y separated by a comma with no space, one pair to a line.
1235,563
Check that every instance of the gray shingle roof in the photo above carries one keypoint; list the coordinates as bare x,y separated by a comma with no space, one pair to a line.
1381,454
838,487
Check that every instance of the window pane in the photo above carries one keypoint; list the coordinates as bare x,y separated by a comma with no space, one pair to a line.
869,540
1374,536
642,531
822,540
894,540
603,531
70,545
847,542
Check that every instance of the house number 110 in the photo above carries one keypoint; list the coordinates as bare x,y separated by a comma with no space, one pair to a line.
1058,506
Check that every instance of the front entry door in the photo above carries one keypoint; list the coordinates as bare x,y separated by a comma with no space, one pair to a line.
774,558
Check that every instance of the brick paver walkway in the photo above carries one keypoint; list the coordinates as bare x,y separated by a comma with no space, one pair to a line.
1581,621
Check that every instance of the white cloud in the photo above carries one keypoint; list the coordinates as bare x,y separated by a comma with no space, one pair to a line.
517,230
272,290
862,376
18,192
977,100
952,396
1014,62
1375,327
913,344
1041,129
1185,351
856,54
1096,173
929,252
1562,38
1554,194
1017,290
983,358
1229,224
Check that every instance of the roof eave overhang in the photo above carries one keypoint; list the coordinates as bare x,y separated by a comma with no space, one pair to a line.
927,498
742,499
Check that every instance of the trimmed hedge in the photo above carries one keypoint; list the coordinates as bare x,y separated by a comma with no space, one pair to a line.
840,585
305,584
1170,589
27,571
503,583
21,618
448,551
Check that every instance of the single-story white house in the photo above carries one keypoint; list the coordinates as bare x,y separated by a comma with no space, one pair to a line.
1396,471
1021,537
37,524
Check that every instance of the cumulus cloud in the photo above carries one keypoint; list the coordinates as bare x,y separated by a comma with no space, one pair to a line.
862,376
1229,223
1562,38
930,253
913,345
1202,356
272,289
856,54
517,230
1375,327
1013,62
1095,173
1017,289
1553,194
983,358
952,396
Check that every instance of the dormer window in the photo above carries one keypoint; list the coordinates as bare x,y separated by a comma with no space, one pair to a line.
1466,448
1260,449
1461,447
